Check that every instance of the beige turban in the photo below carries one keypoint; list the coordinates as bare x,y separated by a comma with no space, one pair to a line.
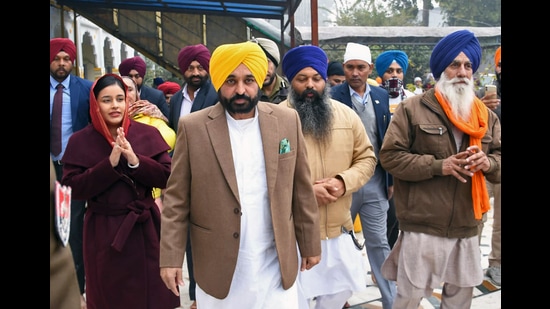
271,50
226,58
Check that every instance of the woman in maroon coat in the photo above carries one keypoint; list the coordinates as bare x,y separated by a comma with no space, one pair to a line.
113,164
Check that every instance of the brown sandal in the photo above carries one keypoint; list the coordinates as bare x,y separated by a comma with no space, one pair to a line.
193,305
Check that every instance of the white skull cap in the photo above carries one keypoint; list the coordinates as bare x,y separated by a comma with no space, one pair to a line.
356,51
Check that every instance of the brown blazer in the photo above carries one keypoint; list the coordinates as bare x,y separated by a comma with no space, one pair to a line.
202,192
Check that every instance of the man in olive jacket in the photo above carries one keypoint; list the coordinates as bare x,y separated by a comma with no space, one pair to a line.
439,147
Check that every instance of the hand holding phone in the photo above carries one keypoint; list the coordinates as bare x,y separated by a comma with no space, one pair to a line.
491,91
490,98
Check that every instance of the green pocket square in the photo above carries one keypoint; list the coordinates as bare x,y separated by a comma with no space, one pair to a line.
284,146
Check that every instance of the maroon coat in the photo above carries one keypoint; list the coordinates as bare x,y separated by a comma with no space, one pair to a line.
122,221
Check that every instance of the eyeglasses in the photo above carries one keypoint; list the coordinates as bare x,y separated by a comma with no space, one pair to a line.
136,76
391,70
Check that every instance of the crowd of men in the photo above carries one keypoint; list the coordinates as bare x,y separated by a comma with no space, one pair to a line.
275,154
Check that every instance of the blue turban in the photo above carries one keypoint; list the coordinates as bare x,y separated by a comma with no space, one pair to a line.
385,59
450,46
304,56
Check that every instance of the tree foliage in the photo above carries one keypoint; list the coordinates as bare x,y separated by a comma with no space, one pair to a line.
376,13
380,13
472,13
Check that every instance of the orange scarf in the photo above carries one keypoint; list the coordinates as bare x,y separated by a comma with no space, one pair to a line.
475,128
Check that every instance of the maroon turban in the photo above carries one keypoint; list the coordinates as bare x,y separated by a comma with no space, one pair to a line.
62,44
169,87
197,52
136,63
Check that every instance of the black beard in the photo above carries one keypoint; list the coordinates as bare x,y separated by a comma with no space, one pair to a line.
270,81
315,113
60,74
189,81
239,109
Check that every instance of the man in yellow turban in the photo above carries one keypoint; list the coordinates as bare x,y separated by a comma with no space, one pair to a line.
240,187
226,58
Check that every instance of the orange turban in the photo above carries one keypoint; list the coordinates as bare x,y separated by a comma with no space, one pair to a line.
62,44
497,56
227,57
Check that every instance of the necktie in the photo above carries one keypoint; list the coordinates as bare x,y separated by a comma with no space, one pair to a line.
56,121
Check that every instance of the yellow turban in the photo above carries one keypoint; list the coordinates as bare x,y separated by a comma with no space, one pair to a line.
226,58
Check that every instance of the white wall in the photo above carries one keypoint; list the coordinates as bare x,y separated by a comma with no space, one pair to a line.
85,29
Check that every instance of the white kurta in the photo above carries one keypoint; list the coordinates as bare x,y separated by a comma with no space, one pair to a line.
341,269
257,279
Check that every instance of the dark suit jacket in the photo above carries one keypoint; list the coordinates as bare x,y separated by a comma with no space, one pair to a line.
80,102
381,101
202,197
156,97
207,96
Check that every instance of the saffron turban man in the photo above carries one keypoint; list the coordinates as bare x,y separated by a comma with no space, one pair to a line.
251,158
228,57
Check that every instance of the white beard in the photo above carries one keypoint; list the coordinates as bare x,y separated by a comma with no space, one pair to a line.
460,94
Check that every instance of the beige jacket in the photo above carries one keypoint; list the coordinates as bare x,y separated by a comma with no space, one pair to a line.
350,155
